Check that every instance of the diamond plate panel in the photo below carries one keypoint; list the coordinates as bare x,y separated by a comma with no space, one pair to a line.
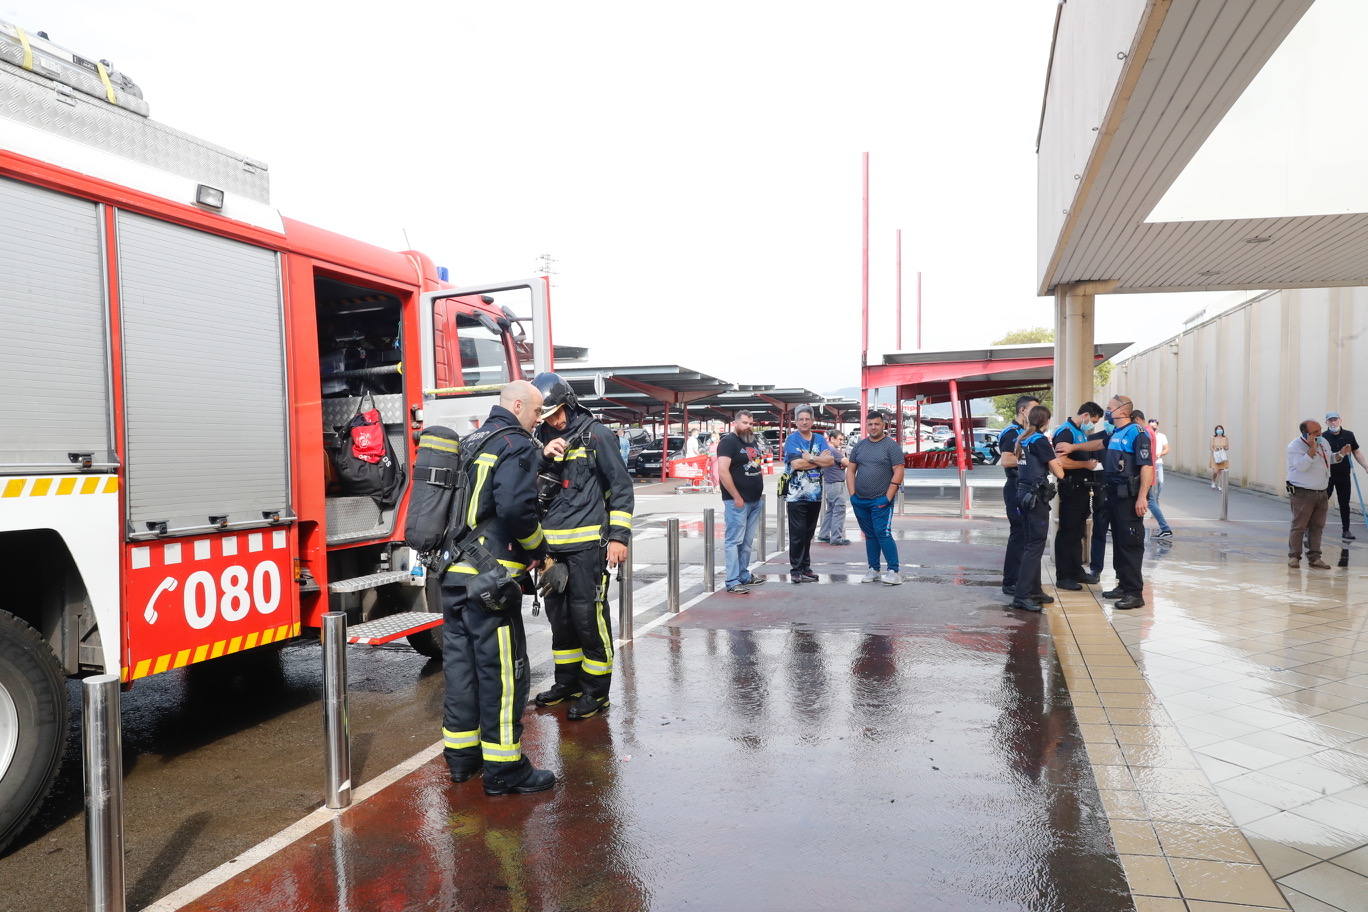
392,627
337,412
48,105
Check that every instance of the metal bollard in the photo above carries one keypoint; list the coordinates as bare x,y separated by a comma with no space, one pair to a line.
709,547
336,726
764,533
1224,482
625,595
102,751
672,565
780,522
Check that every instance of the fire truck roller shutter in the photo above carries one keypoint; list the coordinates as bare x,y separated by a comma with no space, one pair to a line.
204,377
53,365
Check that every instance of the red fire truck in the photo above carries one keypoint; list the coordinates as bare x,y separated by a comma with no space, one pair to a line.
176,362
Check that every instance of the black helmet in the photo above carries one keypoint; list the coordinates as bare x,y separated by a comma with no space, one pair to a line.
556,392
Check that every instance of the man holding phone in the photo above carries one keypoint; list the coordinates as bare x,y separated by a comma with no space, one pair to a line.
1309,459
874,475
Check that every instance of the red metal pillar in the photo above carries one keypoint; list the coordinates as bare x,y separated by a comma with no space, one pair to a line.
919,345
665,444
959,450
916,431
864,295
899,328
898,404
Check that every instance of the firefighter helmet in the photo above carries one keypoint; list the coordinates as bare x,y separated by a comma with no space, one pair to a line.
556,392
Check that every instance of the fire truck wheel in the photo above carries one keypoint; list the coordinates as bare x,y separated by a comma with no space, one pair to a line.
427,642
33,724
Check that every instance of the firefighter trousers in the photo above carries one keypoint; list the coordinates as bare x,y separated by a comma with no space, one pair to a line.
484,661
581,634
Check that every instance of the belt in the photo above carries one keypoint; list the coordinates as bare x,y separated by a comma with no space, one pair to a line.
1306,490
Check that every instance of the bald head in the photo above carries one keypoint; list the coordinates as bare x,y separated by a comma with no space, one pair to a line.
522,399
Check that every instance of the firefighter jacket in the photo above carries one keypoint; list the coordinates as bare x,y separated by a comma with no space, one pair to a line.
503,480
595,500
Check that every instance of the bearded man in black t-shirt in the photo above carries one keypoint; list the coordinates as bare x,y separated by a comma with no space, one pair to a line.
740,465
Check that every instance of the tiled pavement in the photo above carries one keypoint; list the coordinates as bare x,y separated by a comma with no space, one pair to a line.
1227,722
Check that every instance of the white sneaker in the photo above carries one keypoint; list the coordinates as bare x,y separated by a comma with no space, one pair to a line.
891,578
871,576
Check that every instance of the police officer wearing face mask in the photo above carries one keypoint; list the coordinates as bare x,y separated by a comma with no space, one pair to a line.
1016,538
1075,497
1338,438
1128,463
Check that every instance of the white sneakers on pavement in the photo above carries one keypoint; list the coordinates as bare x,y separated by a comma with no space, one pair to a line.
891,578
871,576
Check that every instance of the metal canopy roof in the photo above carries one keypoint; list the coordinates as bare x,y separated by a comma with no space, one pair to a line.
978,372
1100,176
641,390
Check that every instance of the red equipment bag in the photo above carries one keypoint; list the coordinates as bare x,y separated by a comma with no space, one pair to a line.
367,432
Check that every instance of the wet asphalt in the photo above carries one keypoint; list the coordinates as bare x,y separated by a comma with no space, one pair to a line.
805,747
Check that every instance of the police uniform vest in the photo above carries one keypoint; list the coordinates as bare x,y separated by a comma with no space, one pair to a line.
1032,470
1076,435
1119,459
1007,441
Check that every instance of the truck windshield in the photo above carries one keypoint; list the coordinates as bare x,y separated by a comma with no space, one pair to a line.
483,357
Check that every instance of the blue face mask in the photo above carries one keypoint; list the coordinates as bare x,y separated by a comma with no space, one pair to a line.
1087,427
1107,417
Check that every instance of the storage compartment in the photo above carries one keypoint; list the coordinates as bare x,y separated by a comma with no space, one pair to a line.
360,355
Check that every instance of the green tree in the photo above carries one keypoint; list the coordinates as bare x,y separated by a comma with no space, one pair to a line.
1005,405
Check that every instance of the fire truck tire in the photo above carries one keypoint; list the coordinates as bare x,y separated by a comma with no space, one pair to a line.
33,724
427,642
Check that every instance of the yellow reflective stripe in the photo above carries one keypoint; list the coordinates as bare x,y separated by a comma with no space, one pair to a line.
570,536
601,616
481,474
598,669
457,740
463,567
28,48
440,443
534,540
620,518
501,753
573,539
487,459
576,453
108,86
506,680
567,656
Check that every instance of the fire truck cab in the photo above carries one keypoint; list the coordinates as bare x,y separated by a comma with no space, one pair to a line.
179,366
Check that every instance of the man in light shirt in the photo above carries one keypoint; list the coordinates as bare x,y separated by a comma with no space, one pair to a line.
1308,484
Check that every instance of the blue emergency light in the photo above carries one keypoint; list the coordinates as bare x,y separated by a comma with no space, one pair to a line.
442,273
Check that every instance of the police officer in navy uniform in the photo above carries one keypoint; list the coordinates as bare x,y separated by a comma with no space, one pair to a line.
1075,498
1016,538
484,648
1036,463
1128,464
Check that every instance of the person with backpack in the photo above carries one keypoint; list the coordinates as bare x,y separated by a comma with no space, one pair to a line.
588,499
496,538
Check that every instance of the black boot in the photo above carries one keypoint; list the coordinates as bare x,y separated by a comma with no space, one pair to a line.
1132,600
1024,604
1348,536
558,693
586,706
462,770
1114,593
522,779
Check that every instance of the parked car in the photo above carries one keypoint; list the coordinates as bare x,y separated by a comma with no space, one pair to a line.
637,440
647,462
941,433
986,446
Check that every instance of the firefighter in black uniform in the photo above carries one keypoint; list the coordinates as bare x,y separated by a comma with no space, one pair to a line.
588,524
1075,498
484,649
1016,538
1128,473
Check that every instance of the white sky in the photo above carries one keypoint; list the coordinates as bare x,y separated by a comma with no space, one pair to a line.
694,169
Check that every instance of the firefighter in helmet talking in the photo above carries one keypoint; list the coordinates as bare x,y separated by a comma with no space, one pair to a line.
588,499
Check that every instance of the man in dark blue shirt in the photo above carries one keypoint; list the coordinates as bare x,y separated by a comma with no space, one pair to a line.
1128,464
1016,538
1075,491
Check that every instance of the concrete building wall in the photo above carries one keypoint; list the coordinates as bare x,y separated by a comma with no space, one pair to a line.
1257,369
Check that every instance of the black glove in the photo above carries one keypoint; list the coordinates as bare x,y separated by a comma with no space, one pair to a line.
554,578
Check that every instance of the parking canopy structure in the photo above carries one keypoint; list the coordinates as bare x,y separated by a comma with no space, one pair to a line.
640,392
960,375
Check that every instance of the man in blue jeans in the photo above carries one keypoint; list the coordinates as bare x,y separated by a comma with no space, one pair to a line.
874,475
739,466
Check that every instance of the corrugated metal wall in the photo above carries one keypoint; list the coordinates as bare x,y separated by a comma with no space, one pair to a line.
1259,370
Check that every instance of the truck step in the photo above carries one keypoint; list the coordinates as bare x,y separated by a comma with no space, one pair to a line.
369,581
392,627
